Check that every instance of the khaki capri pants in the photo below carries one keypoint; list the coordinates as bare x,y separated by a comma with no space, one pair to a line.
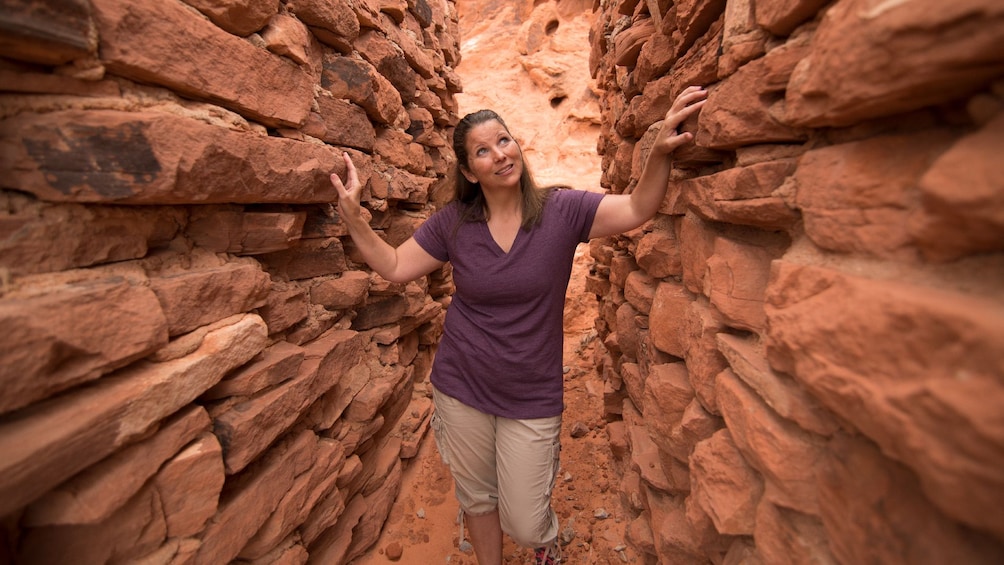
500,463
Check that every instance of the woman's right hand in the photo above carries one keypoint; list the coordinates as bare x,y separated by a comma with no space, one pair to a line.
350,192
687,103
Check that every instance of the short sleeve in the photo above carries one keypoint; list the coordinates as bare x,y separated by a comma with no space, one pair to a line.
433,235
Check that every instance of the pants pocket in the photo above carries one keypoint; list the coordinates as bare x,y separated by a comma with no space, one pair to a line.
438,431
555,464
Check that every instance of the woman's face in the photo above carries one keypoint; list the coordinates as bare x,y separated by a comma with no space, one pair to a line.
493,157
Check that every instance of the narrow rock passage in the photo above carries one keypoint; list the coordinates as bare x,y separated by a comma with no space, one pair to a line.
422,528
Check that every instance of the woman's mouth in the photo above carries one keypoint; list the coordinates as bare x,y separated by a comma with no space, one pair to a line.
505,170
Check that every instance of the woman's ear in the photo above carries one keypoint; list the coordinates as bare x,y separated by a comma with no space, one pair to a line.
468,174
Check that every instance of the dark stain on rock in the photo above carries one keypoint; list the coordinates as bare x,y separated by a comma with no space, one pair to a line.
111,162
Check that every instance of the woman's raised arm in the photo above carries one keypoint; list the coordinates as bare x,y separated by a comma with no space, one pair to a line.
402,264
619,213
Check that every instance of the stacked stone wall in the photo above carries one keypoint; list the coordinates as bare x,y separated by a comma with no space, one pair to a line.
197,366
804,355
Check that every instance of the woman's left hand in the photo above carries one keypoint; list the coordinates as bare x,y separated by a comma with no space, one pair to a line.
687,103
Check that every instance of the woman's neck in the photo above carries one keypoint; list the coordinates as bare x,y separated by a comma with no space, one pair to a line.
503,205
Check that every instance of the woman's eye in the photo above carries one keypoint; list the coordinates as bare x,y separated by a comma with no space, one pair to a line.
504,141
481,151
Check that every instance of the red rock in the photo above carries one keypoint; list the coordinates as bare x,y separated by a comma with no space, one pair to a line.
135,530
46,32
744,195
394,551
389,60
398,149
286,305
694,17
672,533
166,44
737,276
230,230
871,61
360,525
275,364
309,258
307,490
628,42
725,486
667,394
656,57
696,241
241,17
644,453
62,333
669,307
782,393
43,238
704,360
189,486
77,430
955,223
414,51
742,39
639,290
696,425
783,453
372,397
254,496
634,382
248,428
333,23
362,84
855,479
787,535
346,291
866,208
658,253
158,158
289,37
781,17
746,107
905,393
94,494
199,295
329,509
345,124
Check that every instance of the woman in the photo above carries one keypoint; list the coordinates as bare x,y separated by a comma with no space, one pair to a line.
497,374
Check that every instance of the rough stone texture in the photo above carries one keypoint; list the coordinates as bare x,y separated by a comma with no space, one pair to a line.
181,383
165,44
105,156
827,266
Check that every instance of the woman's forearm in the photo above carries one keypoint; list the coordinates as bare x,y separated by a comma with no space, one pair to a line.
649,193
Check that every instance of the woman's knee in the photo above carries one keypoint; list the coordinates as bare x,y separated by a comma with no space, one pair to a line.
531,531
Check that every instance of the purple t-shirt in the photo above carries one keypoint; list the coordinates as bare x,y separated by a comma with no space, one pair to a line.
501,350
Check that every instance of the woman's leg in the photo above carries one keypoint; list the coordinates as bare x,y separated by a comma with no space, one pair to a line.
527,460
486,537
466,441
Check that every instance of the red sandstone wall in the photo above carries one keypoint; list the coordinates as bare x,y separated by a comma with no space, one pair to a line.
805,348
196,366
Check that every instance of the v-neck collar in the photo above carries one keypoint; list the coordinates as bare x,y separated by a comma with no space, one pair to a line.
497,246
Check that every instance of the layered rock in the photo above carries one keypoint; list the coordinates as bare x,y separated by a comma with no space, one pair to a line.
198,366
803,349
